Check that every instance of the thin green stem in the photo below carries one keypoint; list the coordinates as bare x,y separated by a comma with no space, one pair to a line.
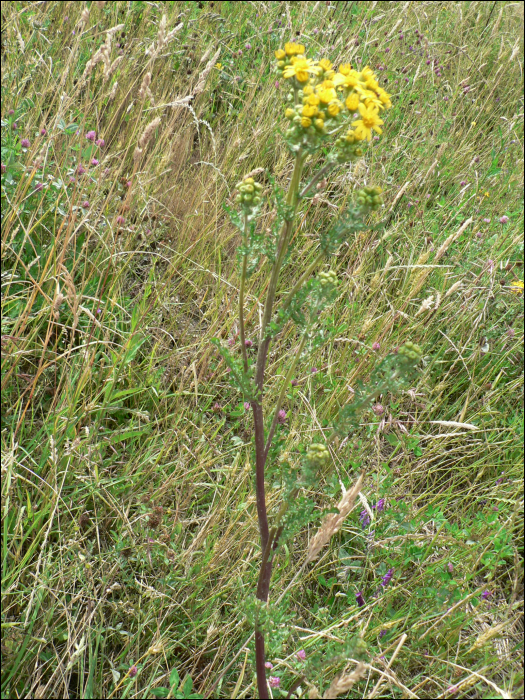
241,313
286,383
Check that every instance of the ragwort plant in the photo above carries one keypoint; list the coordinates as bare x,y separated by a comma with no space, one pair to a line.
332,115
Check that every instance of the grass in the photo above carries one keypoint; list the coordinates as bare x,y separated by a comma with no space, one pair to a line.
129,535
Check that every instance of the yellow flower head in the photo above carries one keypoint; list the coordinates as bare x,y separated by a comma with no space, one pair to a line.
516,287
345,69
310,111
369,120
325,64
312,100
289,113
334,108
300,68
319,124
280,54
350,136
370,98
293,49
306,122
327,95
308,90
385,99
348,80
352,102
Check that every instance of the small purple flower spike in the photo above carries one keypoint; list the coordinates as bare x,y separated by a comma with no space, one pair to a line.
268,665
85,205
91,136
25,143
364,518
247,405
486,594
380,505
133,672
301,654
387,577
274,681
360,599
281,416
504,219
248,343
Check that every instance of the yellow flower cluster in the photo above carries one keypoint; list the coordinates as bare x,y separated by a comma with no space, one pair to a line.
326,93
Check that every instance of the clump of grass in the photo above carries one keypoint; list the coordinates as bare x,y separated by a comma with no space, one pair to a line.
120,406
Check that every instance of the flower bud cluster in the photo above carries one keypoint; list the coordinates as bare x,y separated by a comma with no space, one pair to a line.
347,148
317,455
328,279
410,353
249,194
370,198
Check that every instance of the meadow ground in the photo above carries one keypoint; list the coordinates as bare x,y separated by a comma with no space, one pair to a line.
130,547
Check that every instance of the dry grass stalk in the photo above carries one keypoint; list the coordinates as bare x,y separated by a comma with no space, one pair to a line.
454,288
201,84
344,682
333,522
145,90
146,137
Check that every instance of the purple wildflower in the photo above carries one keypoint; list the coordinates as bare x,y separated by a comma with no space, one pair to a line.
463,183
387,577
39,186
364,518
378,409
487,221
313,370
268,665
94,161
294,382
510,331
81,170
450,567
43,132
281,416
376,346
301,654
133,672
360,599
380,505
247,405
85,205
504,219
248,47
100,143
3,167
10,112
486,594
248,343
120,220
274,681
128,183
14,126
25,144
91,135
382,633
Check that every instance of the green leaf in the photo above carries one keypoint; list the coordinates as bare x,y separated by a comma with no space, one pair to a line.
160,692
174,678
